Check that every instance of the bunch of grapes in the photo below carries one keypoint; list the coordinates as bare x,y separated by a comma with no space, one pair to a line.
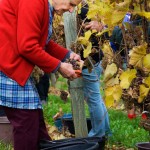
75,63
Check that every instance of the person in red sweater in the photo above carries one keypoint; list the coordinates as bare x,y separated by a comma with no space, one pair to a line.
25,30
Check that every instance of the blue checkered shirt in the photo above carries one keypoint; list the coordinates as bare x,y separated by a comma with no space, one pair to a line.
15,96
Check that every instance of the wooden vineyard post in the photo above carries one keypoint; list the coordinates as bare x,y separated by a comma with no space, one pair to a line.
76,86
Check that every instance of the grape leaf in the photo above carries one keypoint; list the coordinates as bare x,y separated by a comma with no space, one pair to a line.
109,101
85,39
88,49
144,14
126,78
137,54
87,34
112,95
143,93
107,50
113,81
146,63
102,32
147,81
110,71
82,40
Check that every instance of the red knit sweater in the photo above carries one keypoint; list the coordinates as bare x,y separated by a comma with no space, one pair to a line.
23,35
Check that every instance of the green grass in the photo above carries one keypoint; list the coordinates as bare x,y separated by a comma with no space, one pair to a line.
126,132
62,83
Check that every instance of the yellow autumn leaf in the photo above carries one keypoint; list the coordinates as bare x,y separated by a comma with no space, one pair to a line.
107,50
109,101
146,63
140,49
102,32
126,78
140,99
82,40
79,8
144,14
85,39
136,9
106,11
113,81
94,9
112,95
87,51
110,71
137,54
136,60
116,20
87,34
117,92
116,9
109,91
143,93
147,81
94,31
92,13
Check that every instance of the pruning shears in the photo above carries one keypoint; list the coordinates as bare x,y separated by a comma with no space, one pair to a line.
78,73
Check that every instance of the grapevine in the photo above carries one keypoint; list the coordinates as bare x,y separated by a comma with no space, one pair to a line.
134,79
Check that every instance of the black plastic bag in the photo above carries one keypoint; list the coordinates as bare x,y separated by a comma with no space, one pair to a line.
89,143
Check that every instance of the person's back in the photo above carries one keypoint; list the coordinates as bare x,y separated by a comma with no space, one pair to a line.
16,34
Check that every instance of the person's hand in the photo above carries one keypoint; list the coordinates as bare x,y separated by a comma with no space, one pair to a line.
79,71
75,56
67,71
94,25
80,63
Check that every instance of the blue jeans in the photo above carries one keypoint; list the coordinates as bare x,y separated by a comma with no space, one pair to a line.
98,112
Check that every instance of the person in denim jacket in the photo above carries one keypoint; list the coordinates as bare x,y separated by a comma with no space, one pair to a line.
91,84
